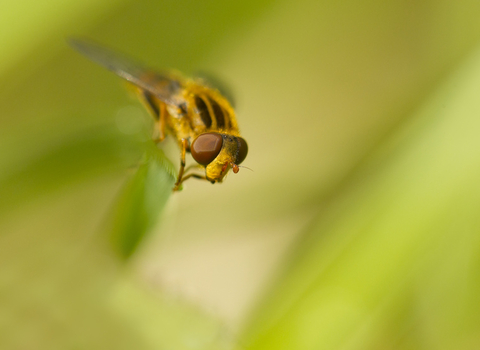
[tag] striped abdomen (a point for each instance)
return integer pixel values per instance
(209, 111)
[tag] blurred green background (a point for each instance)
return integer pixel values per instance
(357, 229)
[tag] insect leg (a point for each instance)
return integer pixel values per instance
(182, 164)
(193, 166)
(201, 177)
(197, 176)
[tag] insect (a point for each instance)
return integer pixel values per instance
(198, 116)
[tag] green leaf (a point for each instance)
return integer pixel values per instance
(141, 203)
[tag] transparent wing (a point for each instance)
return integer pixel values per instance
(162, 86)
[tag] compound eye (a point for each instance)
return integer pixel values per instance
(242, 150)
(206, 147)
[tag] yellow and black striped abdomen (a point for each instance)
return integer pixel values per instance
(209, 111)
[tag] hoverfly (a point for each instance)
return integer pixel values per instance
(198, 116)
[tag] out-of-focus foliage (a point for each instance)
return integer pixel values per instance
(142, 201)
(357, 229)
(393, 261)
